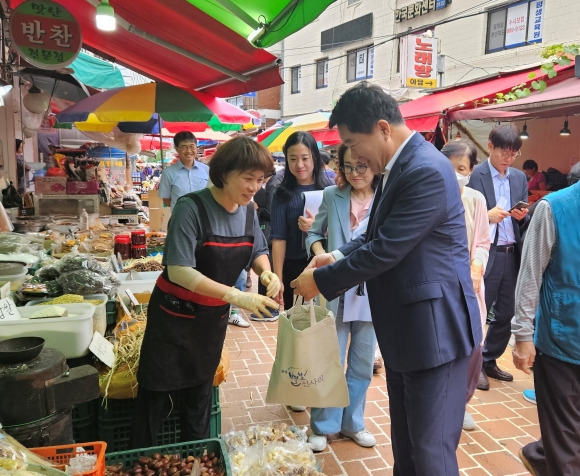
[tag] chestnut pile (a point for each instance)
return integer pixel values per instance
(171, 465)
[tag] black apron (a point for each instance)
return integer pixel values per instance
(185, 331)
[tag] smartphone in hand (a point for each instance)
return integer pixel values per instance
(519, 206)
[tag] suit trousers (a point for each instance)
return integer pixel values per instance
(427, 409)
(500, 289)
(557, 388)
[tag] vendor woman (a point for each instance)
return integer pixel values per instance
(213, 235)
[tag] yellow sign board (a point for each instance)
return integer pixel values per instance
(421, 83)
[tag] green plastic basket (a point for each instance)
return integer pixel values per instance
(115, 422)
(190, 448)
(84, 419)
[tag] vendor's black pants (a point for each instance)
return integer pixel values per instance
(151, 407)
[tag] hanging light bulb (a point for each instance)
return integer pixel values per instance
(565, 131)
(106, 20)
(36, 101)
(524, 135)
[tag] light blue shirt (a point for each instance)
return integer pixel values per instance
(501, 188)
(177, 180)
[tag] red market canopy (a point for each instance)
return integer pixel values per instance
(557, 100)
(175, 42)
(423, 113)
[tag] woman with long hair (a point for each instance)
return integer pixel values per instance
(303, 172)
(342, 216)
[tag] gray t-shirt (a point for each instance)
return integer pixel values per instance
(185, 231)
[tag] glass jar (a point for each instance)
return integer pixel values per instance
(123, 246)
(139, 251)
(138, 237)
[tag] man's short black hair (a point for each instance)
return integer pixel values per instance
(530, 165)
(362, 106)
(182, 137)
(506, 136)
(325, 156)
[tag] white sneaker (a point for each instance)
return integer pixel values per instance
(361, 437)
(468, 422)
(236, 318)
(297, 408)
(316, 442)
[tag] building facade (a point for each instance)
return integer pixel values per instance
(377, 40)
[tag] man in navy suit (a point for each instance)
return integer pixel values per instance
(415, 263)
(503, 187)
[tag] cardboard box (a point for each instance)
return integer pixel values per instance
(50, 185)
(82, 188)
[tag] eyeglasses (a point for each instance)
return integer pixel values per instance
(187, 147)
(360, 169)
(510, 154)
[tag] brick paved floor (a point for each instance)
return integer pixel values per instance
(505, 421)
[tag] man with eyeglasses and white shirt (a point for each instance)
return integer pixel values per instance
(502, 186)
(187, 175)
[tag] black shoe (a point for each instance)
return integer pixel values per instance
(495, 372)
(483, 383)
(527, 463)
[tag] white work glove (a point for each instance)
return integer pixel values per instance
(272, 283)
(256, 303)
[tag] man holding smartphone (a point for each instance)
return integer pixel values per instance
(503, 187)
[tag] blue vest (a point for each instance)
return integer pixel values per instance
(558, 316)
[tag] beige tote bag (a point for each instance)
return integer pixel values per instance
(307, 370)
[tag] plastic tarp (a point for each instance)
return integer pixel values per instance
(97, 73)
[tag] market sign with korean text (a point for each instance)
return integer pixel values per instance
(419, 8)
(45, 34)
(421, 70)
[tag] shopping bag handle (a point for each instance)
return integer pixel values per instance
(310, 309)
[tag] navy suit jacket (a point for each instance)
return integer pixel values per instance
(415, 264)
(482, 181)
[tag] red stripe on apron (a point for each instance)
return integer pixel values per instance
(187, 295)
(227, 245)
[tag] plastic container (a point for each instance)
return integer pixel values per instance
(71, 335)
(138, 237)
(62, 454)
(144, 276)
(190, 448)
(123, 246)
(13, 272)
(99, 317)
(138, 251)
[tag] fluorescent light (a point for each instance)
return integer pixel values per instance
(258, 32)
(106, 20)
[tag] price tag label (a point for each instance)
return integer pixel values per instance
(103, 349)
(132, 297)
(8, 310)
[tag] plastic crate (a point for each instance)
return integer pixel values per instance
(62, 454)
(115, 422)
(190, 448)
(84, 419)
